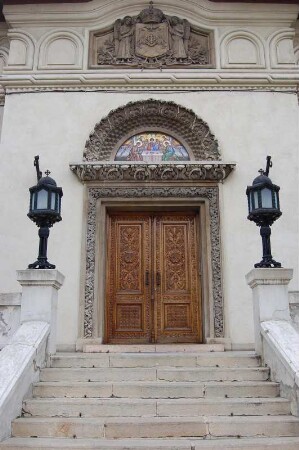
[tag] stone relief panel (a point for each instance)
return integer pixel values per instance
(241, 49)
(208, 193)
(151, 39)
(108, 134)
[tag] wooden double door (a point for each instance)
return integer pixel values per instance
(153, 279)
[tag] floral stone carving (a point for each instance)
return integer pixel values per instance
(156, 115)
(152, 172)
(151, 39)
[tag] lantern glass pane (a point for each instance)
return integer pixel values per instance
(256, 200)
(42, 199)
(250, 200)
(32, 200)
(267, 198)
(53, 197)
(275, 200)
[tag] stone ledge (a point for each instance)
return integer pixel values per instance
(10, 299)
(19, 361)
(40, 277)
(181, 171)
(265, 276)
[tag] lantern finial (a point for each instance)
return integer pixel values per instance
(36, 165)
(269, 164)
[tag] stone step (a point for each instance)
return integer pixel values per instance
(117, 407)
(153, 348)
(156, 389)
(156, 427)
(281, 443)
(177, 359)
(153, 374)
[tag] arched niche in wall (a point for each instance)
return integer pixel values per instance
(21, 51)
(61, 50)
(282, 53)
(242, 49)
(151, 116)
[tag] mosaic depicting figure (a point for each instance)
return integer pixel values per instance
(152, 147)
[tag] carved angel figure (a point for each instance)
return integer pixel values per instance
(180, 34)
(123, 38)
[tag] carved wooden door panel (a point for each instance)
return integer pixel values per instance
(177, 291)
(128, 282)
(153, 289)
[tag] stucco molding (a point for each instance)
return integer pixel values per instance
(152, 172)
(120, 81)
(16, 60)
(56, 35)
(247, 36)
(205, 193)
(274, 40)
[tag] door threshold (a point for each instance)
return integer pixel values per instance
(153, 348)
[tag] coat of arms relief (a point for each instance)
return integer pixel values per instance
(151, 39)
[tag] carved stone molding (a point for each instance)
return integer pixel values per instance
(152, 172)
(208, 193)
(124, 121)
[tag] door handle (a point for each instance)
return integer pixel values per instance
(147, 278)
(158, 279)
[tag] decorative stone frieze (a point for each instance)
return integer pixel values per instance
(137, 192)
(155, 115)
(152, 172)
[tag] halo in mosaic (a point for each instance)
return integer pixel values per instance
(152, 147)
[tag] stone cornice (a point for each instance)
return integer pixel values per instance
(185, 171)
(153, 81)
(97, 11)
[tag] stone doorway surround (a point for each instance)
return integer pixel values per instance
(137, 186)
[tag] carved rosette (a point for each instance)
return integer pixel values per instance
(152, 172)
(209, 193)
(156, 115)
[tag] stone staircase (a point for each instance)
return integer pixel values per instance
(161, 399)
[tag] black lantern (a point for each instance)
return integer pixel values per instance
(44, 210)
(264, 209)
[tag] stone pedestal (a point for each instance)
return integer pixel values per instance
(39, 298)
(270, 297)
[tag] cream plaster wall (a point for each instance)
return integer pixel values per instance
(248, 126)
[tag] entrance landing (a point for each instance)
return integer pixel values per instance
(161, 348)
